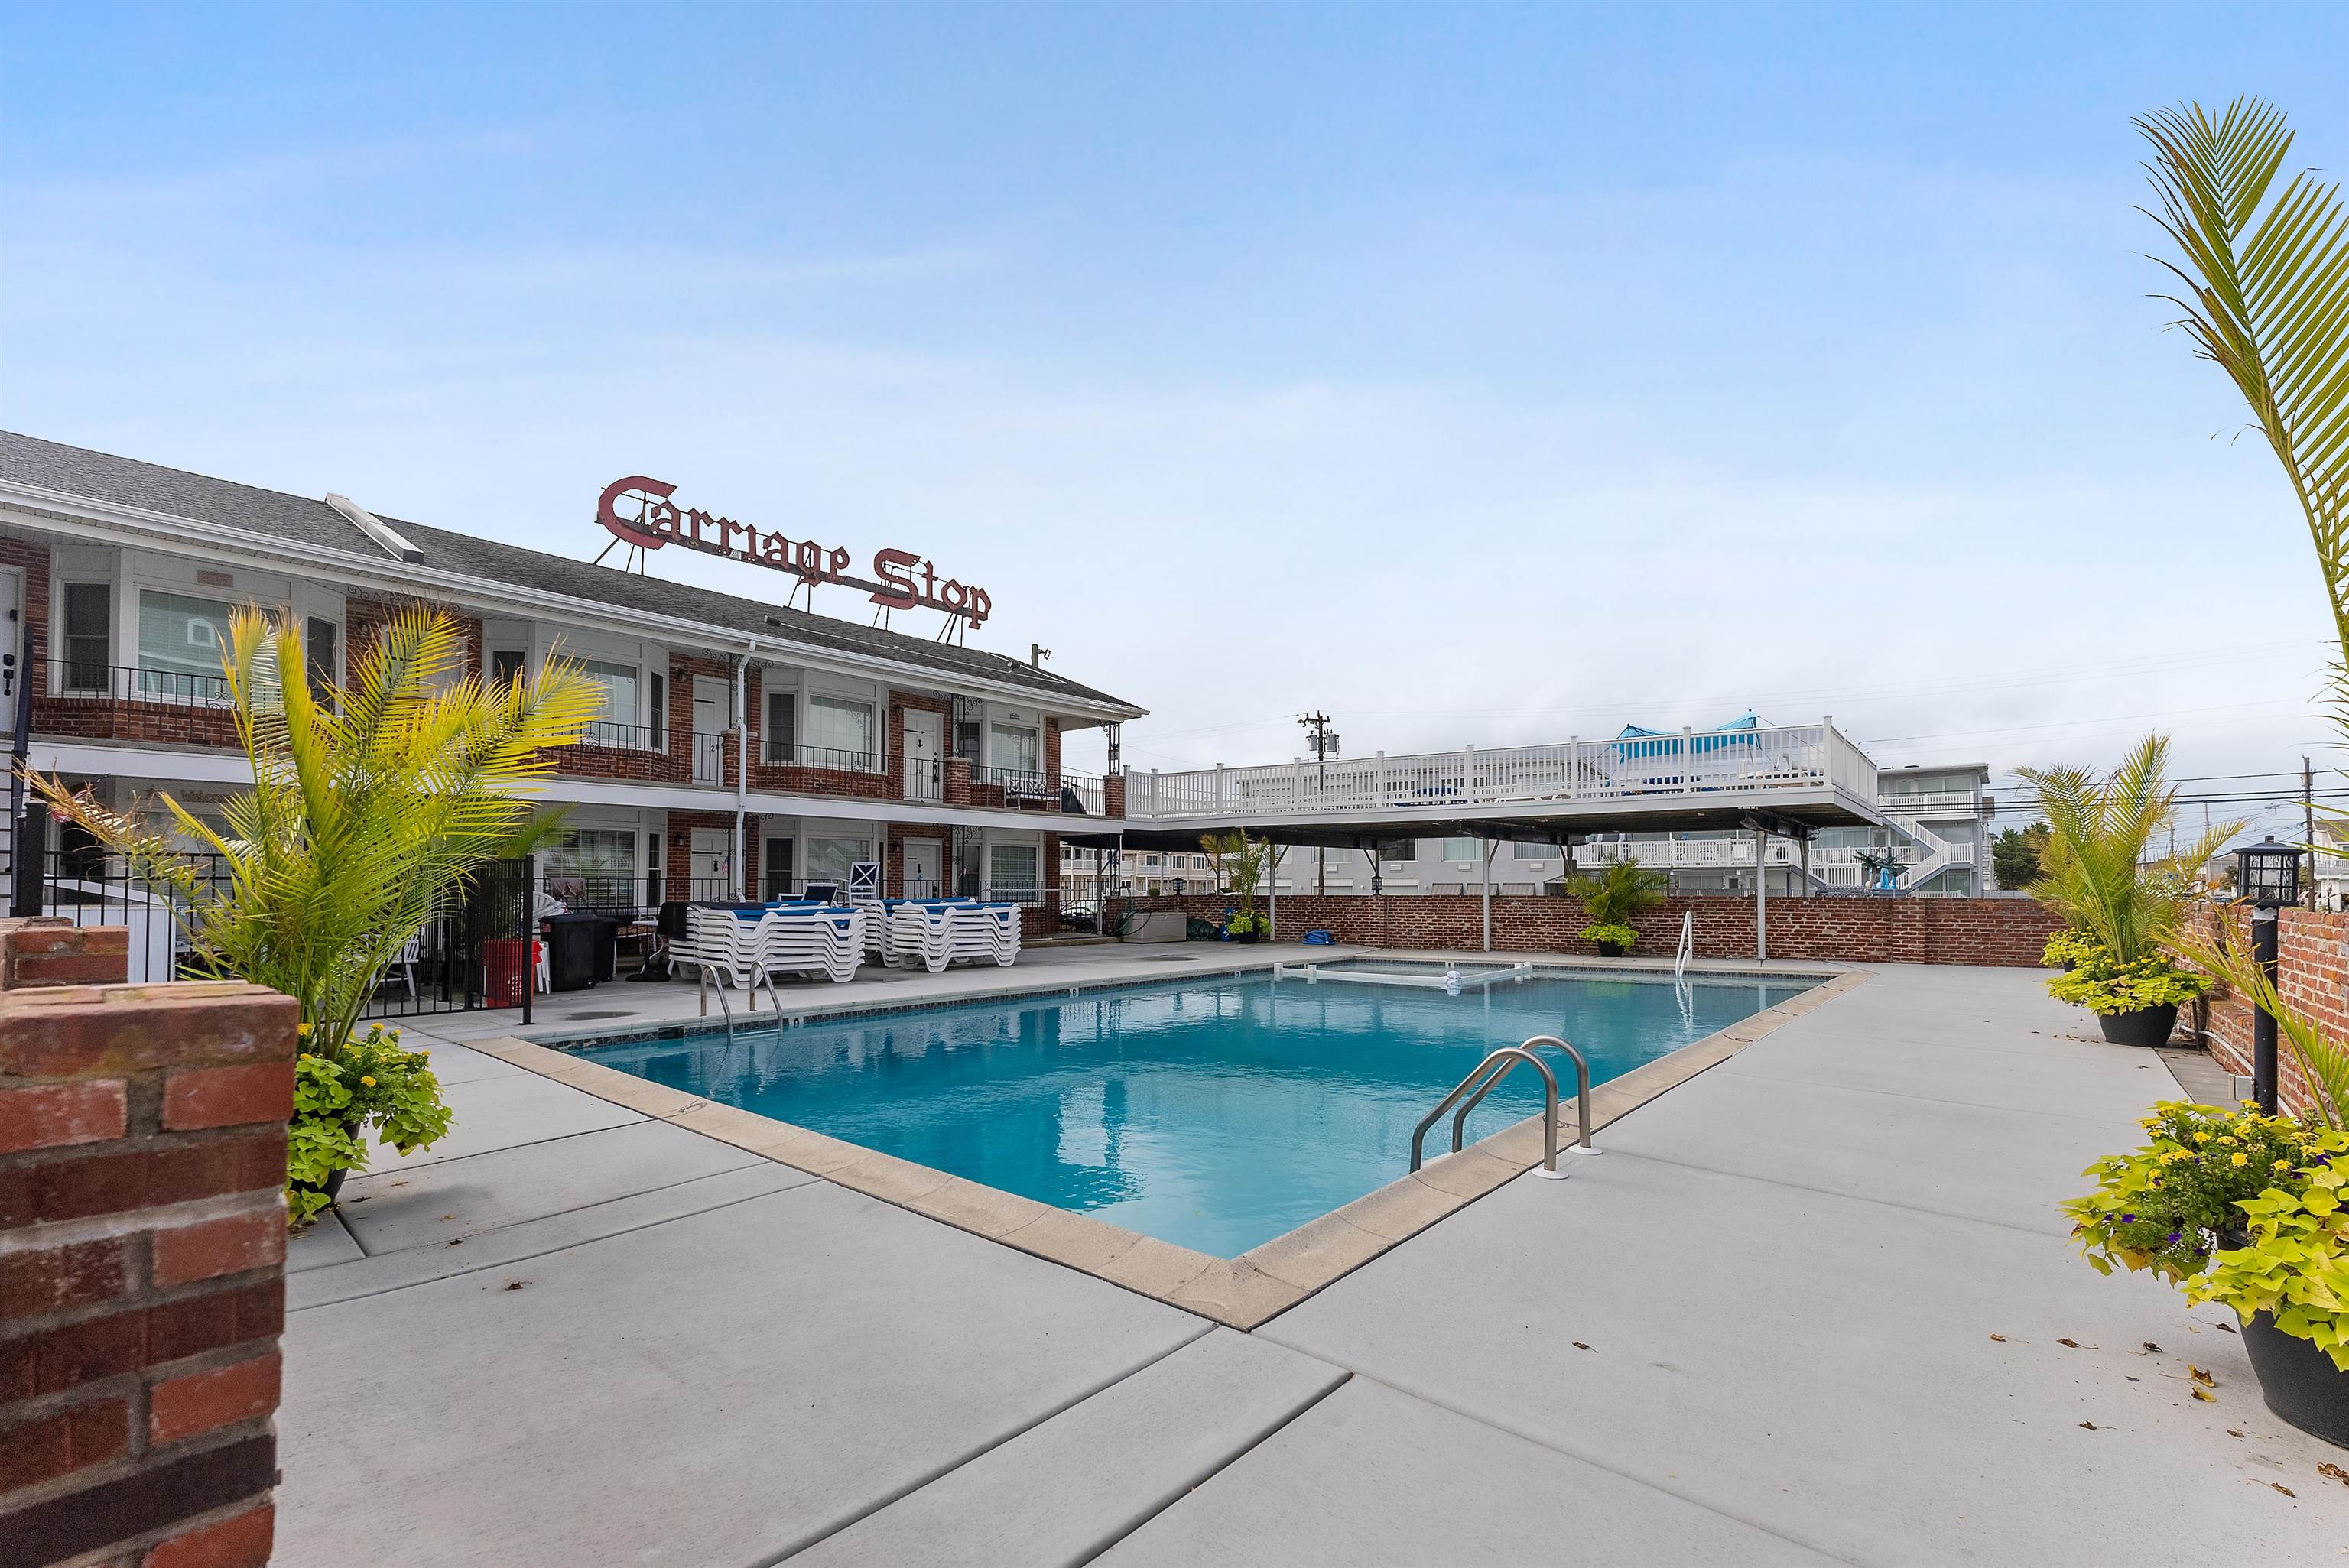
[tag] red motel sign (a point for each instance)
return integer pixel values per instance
(905, 579)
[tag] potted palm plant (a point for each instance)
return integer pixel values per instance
(371, 808)
(1240, 863)
(2120, 900)
(1613, 900)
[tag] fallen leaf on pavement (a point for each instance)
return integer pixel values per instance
(2199, 1392)
(2226, 1328)
(2152, 1348)
(2335, 1471)
(516, 1284)
(2280, 1487)
(2201, 1376)
(2234, 1431)
(2090, 1425)
(1579, 1346)
(1999, 1337)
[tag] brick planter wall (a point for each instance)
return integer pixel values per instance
(1991, 931)
(142, 1237)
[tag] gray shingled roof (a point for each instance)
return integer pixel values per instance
(98, 476)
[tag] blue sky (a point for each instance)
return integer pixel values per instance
(1472, 373)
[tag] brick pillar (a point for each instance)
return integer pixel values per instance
(142, 1241)
(1114, 796)
(956, 784)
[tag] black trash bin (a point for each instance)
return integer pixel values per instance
(581, 950)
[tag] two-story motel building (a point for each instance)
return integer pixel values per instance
(746, 748)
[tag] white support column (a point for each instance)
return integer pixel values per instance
(1379, 783)
(1219, 787)
(1688, 761)
(1806, 868)
(1761, 894)
(1272, 890)
(1469, 783)
(1488, 896)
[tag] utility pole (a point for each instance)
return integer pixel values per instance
(1324, 742)
(2308, 826)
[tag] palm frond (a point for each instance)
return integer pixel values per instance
(2266, 281)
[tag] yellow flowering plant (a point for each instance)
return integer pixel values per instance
(2171, 1204)
(371, 1084)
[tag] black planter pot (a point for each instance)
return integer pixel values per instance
(2145, 1027)
(331, 1186)
(2299, 1382)
(1245, 936)
(1612, 949)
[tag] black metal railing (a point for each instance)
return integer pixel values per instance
(453, 963)
(70, 677)
(610, 736)
(777, 755)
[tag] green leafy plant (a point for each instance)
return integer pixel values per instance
(1616, 895)
(2108, 985)
(2293, 1262)
(1614, 934)
(1245, 923)
(371, 1084)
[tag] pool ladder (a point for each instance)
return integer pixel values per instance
(1491, 1071)
(1687, 949)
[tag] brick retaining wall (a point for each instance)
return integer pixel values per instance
(1993, 931)
(142, 1239)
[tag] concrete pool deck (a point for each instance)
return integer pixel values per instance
(1761, 1329)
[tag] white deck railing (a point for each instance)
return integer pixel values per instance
(1706, 764)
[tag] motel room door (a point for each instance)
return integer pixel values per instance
(924, 859)
(713, 864)
(713, 702)
(925, 751)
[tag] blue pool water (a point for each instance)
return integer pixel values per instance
(1213, 1112)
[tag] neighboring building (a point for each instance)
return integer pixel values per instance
(941, 761)
(1938, 846)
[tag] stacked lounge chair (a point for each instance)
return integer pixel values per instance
(935, 931)
(746, 944)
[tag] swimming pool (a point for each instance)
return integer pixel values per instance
(1215, 1113)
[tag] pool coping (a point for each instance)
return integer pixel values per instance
(1242, 1293)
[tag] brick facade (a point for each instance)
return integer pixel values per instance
(142, 1148)
(1993, 930)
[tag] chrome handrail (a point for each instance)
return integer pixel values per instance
(1511, 1055)
(1687, 949)
(1581, 1095)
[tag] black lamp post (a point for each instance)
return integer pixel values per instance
(2268, 875)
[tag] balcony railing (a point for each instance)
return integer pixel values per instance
(1708, 763)
(81, 679)
(830, 758)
